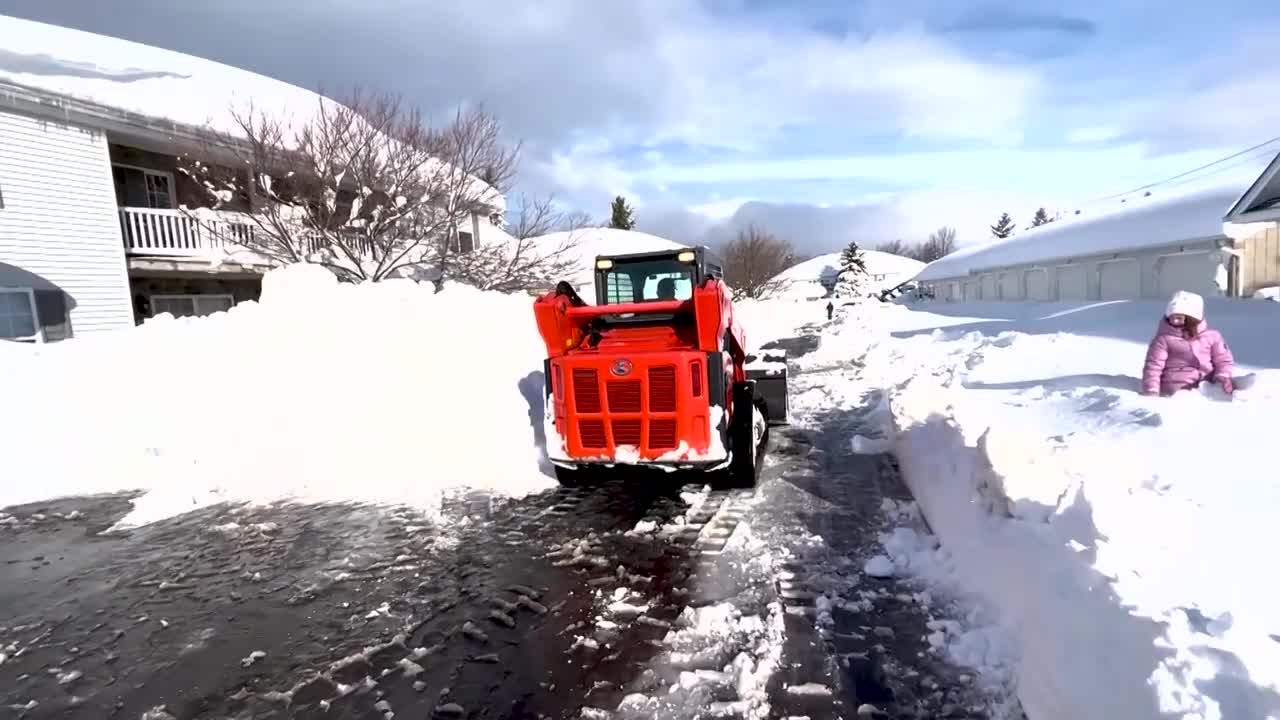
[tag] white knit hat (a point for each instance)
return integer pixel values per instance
(1185, 303)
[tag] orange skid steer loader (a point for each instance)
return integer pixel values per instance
(655, 372)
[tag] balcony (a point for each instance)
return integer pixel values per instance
(170, 233)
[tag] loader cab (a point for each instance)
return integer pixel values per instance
(653, 276)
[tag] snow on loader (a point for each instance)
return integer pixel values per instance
(655, 372)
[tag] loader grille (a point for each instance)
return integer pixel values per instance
(591, 433)
(624, 395)
(586, 391)
(662, 389)
(662, 434)
(626, 432)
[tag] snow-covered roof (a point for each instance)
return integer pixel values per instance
(1261, 202)
(1139, 223)
(827, 266)
(149, 81)
(139, 78)
(806, 279)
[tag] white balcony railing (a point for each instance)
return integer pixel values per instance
(151, 232)
(171, 233)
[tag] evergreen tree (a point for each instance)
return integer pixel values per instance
(851, 281)
(621, 217)
(1041, 218)
(1003, 227)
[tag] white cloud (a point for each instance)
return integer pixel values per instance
(1089, 135)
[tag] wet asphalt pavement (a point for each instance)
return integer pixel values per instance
(569, 603)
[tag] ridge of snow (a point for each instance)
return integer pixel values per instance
(319, 392)
(1115, 537)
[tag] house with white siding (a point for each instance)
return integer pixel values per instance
(1145, 247)
(91, 235)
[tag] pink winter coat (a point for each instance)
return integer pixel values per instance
(1177, 363)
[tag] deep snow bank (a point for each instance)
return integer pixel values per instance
(321, 391)
(1118, 535)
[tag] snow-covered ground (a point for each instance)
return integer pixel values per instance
(1120, 540)
(320, 392)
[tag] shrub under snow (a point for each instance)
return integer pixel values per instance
(321, 391)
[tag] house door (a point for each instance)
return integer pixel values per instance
(1119, 280)
(1073, 282)
(1194, 272)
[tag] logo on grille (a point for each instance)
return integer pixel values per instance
(620, 367)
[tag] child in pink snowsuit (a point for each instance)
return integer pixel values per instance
(1186, 351)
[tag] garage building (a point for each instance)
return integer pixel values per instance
(1147, 248)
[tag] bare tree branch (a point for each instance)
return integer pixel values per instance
(752, 261)
(941, 242)
(530, 260)
(896, 247)
(366, 187)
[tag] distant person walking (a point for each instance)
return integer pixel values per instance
(830, 309)
(1186, 351)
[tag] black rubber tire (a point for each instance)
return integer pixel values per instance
(573, 477)
(744, 468)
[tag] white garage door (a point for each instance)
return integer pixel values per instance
(1119, 279)
(1073, 282)
(1010, 286)
(989, 287)
(1186, 271)
(1037, 284)
(971, 291)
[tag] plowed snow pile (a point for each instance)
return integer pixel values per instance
(321, 391)
(1126, 541)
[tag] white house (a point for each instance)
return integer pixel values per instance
(1146, 247)
(91, 238)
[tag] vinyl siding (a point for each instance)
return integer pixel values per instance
(59, 221)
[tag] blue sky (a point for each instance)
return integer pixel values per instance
(827, 120)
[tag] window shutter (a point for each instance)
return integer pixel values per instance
(53, 315)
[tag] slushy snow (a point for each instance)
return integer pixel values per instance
(1120, 541)
(319, 392)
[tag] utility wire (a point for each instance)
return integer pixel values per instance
(1189, 172)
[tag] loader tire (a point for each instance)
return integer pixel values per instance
(748, 434)
(573, 477)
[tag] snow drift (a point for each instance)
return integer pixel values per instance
(1116, 535)
(321, 391)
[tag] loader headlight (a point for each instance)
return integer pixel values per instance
(604, 264)
(687, 256)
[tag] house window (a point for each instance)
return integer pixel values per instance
(190, 305)
(140, 187)
(462, 243)
(18, 315)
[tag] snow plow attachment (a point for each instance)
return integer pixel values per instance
(768, 369)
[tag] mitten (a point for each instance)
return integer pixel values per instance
(1228, 386)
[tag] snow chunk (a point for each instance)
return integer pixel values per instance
(879, 566)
